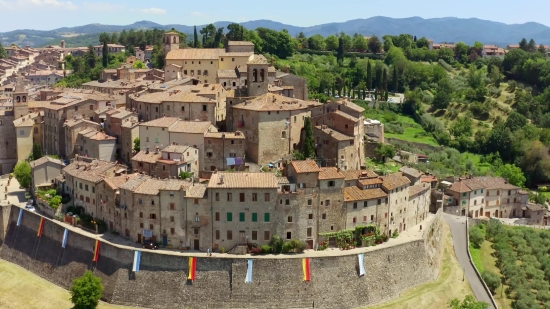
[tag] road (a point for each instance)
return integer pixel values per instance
(458, 231)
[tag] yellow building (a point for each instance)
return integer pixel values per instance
(28, 130)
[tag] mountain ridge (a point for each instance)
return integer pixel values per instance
(442, 29)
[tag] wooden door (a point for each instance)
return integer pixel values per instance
(139, 238)
(196, 244)
(309, 244)
(487, 214)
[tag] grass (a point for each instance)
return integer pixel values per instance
(438, 293)
(19, 288)
(381, 168)
(476, 158)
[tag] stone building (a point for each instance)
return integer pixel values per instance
(44, 171)
(111, 48)
(297, 83)
(224, 150)
(28, 130)
(72, 127)
(96, 144)
(168, 162)
(129, 131)
(115, 119)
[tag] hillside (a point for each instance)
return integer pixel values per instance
(447, 29)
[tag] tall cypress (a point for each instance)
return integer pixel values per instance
(369, 76)
(340, 54)
(105, 59)
(385, 82)
(395, 79)
(308, 146)
(195, 38)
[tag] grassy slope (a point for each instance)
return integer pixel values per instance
(438, 293)
(20, 288)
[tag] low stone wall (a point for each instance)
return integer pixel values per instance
(277, 283)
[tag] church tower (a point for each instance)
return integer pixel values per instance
(20, 99)
(257, 81)
(171, 41)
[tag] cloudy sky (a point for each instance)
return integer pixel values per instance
(51, 14)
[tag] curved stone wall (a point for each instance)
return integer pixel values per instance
(277, 283)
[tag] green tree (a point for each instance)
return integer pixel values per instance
(276, 43)
(308, 148)
(385, 83)
(3, 53)
(461, 127)
(369, 75)
(105, 58)
(461, 51)
(422, 42)
(195, 37)
(360, 43)
(235, 32)
(317, 42)
(495, 75)
(469, 302)
(523, 44)
(542, 49)
(185, 175)
(136, 144)
(515, 121)
(86, 291)
(374, 44)
(491, 279)
(208, 35)
(331, 42)
(340, 54)
(123, 38)
(138, 65)
(36, 151)
(385, 150)
(22, 172)
(476, 236)
(531, 46)
(395, 79)
(512, 173)
(90, 58)
(443, 94)
(388, 43)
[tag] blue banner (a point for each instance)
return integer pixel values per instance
(249, 272)
(65, 235)
(137, 259)
(20, 216)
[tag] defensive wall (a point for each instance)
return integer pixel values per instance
(220, 282)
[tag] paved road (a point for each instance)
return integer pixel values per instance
(458, 231)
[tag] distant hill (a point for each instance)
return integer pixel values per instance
(447, 29)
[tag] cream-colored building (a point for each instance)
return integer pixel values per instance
(44, 171)
(168, 162)
(72, 127)
(96, 144)
(28, 130)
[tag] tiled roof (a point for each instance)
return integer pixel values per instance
(238, 180)
(330, 173)
(226, 135)
(43, 160)
(474, 184)
(191, 127)
(394, 180)
(305, 166)
(459, 187)
(241, 43)
(428, 178)
(150, 187)
(356, 174)
(117, 181)
(352, 194)
(370, 181)
(176, 148)
(195, 191)
(495, 183)
(421, 187)
(227, 74)
(195, 54)
(257, 59)
(134, 182)
(334, 134)
(97, 135)
(93, 172)
(163, 122)
(352, 106)
(27, 120)
(410, 171)
(150, 157)
(275, 102)
(283, 180)
(346, 115)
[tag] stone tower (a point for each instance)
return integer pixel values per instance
(257, 80)
(171, 41)
(20, 98)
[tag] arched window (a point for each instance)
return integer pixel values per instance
(24, 99)
(254, 76)
(18, 99)
(205, 73)
(174, 40)
(283, 134)
(261, 75)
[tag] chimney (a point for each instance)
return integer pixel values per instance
(147, 150)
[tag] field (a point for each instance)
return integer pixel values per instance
(438, 293)
(20, 288)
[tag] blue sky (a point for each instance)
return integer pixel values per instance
(51, 14)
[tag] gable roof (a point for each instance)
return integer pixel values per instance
(237, 180)
(305, 166)
(394, 180)
(330, 173)
(43, 160)
(352, 194)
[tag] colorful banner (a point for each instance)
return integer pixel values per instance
(96, 251)
(137, 259)
(20, 217)
(65, 235)
(305, 268)
(40, 227)
(192, 268)
(249, 272)
(361, 258)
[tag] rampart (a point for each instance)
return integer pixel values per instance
(276, 283)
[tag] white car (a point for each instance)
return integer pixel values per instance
(30, 208)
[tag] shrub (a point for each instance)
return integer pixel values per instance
(395, 234)
(265, 249)
(86, 291)
(276, 243)
(476, 237)
(543, 189)
(491, 279)
(294, 245)
(445, 65)
(256, 251)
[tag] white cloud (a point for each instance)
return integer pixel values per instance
(101, 7)
(16, 5)
(197, 14)
(154, 11)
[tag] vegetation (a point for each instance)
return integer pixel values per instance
(3, 53)
(185, 175)
(22, 172)
(469, 302)
(136, 145)
(51, 197)
(36, 151)
(308, 147)
(278, 245)
(86, 291)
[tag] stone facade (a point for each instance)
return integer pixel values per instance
(168, 162)
(223, 145)
(72, 128)
(129, 131)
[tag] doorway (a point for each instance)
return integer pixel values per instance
(195, 244)
(164, 241)
(309, 243)
(139, 238)
(242, 237)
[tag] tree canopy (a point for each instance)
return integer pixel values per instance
(22, 172)
(86, 291)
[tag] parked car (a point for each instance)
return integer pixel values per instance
(149, 245)
(30, 208)
(27, 195)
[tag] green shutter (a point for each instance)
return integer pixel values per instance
(481, 190)
(254, 217)
(266, 217)
(241, 216)
(229, 217)
(463, 194)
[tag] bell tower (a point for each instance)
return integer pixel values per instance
(20, 98)
(257, 82)
(171, 41)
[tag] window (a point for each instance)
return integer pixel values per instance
(364, 218)
(372, 217)
(204, 107)
(217, 197)
(266, 235)
(309, 202)
(141, 215)
(241, 197)
(241, 216)
(294, 119)
(183, 108)
(172, 231)
(287, 202)
(354, 205)
(172, 206)
(80, 186)
(288, 235)
(229, 197)
(354, 219)
(266, 217)
(254, 217)
(171, 218)
(266, 197)
(196, 201)
(86, 187)
(222, 59)
(229, 235)
(289, 219)
(197, 218)
(327, 202)
(463, 194)
(150, 226)
(324, 216)
(475, 192)
(141, 225)
(385, 215)
(481, 190)
(378, 202)
(152, 216)
(254, 235)
(21, 132)
(254, 197)
(217, 216)
(331, 183)
(229, 217)
(217, 234)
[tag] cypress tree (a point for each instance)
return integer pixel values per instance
(395, 79)
(195, 38)
(369, 76)
(308, 147)
(3, 53)
(385, 83)
(105, 59)
(340, 53)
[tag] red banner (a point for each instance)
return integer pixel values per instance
(192, 268)
(305, 268)
(96, 251)
(40, 227)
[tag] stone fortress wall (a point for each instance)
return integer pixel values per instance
(276, 283)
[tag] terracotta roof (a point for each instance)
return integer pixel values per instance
(355, 174)
(200, 127)
(330, 173)
(394, 180)
(275, 102)
(97, 135)
(117, 181)
(195, 191)
(195, 54)
(459, 187)
(421, 187)
(346, 115)
(163, 122)
(305, 166)
(150, 187)
(27, 120)
(352, 194)
(150, 157)
(474, 184)
(227, 74)
(334, 134)
(226, 135)
(177, 148)
(134, 182)
(492, 183)
(428, 178)
(523, 192)
(45, 159)
(93, 172)
(241, 43)
(370, 181)
(283, 180)
(238, 180)
(257, 59)
(411, 171)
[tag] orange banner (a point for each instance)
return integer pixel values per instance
(40, 227)
(96, 251)
(305, 268)
(192, 268)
